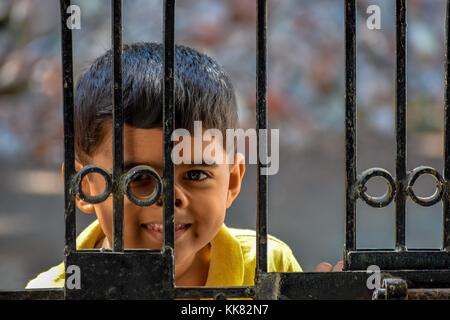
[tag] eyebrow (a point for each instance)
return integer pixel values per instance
(131, 164)
(213, 164)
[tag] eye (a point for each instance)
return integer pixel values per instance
(142, 185)
(196, 175)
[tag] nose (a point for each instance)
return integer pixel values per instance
(159, 203)
(180, 199)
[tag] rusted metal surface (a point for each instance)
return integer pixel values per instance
(33, 294)
(261, 123)
(399, 260)
(350, 124)
(140, 275)
(352, 285)
(425, 284)
(397, 289)
(69, 131)
(118, 120)
(400, 127)
(400, 186)
(446, 200)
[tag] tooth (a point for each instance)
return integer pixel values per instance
(158, 227)
(155, 227)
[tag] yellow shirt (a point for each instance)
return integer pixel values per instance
(233, 258)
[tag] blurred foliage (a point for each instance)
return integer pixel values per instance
(306, 69)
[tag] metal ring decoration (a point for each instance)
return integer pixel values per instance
(376, 202)
(220, 296)
(78, 190)
(156, 194)
(440, 186)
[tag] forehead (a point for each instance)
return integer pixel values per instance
(140, 146)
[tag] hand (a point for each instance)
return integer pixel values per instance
(327, 267)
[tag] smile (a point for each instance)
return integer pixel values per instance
(155, 230)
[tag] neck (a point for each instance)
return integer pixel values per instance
(195, 271)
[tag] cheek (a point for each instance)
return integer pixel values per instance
(104, 215)
(209, 207)
(104, 212)
(97, 184)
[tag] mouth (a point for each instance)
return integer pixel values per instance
(155, 230)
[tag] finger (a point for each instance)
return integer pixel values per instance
(323, 267)
(339, 266)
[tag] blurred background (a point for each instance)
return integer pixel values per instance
(306, 101)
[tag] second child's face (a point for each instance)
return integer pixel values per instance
(202, 195)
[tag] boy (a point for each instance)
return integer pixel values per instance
(207, 253)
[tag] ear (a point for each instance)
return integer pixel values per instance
(84, 206)
(237, 172)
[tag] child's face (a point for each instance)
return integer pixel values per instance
(202, 192)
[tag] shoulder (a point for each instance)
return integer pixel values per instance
(52, 278)
(280, 256)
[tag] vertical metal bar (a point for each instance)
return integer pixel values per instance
(400, 101)
(69, 145)
(446, 206)
(350, 124)
(168, 121)
(261, 124)
(118, 124)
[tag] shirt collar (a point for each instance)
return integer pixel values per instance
(89, 236)
(226, 266)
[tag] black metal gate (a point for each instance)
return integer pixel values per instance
(124, 274)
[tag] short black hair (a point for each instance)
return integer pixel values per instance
(203, 92)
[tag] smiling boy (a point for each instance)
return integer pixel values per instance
(207, 252)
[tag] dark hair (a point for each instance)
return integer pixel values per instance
(203, 92)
